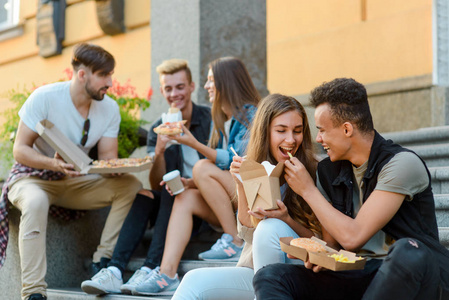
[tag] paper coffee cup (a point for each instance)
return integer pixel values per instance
(173, 180)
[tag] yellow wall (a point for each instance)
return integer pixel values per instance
(20, 64)
(309, 42)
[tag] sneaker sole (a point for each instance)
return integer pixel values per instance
(168, 293)
(220, 259)
(96, 290)
(127, 290)
(165, 293)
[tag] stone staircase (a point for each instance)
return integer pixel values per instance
(432, 144)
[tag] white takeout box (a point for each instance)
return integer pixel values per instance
(261, 189)
(75, 156)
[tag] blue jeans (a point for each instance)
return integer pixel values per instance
(410, 271)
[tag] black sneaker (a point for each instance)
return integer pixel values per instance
(95, 267)
(37, 297)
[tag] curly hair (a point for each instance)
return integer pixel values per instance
(258, 150)
(348, 102)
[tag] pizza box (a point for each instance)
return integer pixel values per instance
(323, 259)
(72, 154)
(261, 184)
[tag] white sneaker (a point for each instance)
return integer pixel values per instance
(104, 282)
(138, 277)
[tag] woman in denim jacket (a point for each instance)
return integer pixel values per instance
(209, 192)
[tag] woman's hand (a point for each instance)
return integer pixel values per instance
(281, 213)
(186, 139)
(235, 169)
(297, 176)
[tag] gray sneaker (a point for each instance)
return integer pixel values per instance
(223, 249)
(158, 284)
(104, 282)
(138, 277)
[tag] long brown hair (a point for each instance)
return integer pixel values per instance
(258, 149)
(234, 89)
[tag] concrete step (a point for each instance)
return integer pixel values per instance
(422, 136)
(185, 266)
(440, 180)
(434, 155)
(442, 209)
(78, 294)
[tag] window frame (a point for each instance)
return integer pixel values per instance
(12, 16)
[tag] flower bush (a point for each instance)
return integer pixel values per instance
(130, 136)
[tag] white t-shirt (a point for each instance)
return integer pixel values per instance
(53, 102)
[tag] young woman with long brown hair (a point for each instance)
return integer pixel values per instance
(280, 127)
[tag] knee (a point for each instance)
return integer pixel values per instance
(201, 169)
(409, 254)
(132, 183)
(35, 206)
(146, 193)
(268, 274)
(267, 232)
(183, 202)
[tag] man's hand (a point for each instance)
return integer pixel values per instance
(60, 165)
(297, 176)
(312, 267)
(187, 182)
(161, 143)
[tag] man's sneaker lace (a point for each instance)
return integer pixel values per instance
(157, 284)
(138, 277)
(223, 249)
(104, 282)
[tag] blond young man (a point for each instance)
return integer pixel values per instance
(176, 86)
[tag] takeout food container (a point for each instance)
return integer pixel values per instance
(323, 259)
(75, 156)
(261, 189)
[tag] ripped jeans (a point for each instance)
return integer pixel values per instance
(33, 197)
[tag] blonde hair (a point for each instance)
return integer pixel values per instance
(234, 89)
(258, 149)
(173, 66)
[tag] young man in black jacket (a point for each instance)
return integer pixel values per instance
(372, 197)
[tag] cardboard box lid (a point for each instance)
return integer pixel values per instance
(251, 169)
(70, 152)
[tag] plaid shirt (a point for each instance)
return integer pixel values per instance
(20, 171)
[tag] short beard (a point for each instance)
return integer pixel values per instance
(96, 95)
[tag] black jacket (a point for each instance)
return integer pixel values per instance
(414, 219)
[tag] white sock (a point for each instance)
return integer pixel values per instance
(116, 272)
(146, 269)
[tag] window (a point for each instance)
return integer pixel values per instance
(9, 14)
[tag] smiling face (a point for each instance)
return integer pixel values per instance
(97, 84)
(286, 135)
(332, 138)
(176, 89)
(210, 86)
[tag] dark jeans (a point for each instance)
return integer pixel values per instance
(410, 271)
(143, 210)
